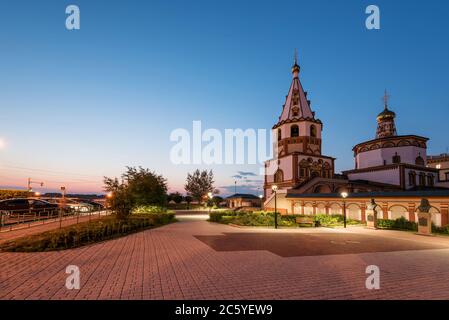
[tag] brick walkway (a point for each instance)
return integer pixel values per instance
(171, 263)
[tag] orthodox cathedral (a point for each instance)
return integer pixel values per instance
(392, 168)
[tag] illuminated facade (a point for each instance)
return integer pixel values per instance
(393, 167)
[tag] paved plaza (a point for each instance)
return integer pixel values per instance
(195, 259)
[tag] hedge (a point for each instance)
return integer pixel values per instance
(442, 230)
(264, 218)
(398, 224)
(404, 224)
(86, 233)
(149, 210)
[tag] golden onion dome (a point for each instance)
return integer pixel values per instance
(386, 115)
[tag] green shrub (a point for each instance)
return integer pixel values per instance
(329, 220)
(265, 218)
(334, 220)
(404, 224)
(217, 216)
(149, 210)
(442, 230)
(86, 233)
(398, 224)
(385, 224)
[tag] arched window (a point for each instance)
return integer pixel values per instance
(419, 161)
(313, 131)
(278, 176)
(279, 134)
(396, 158)
(412, 178)
(294, 131)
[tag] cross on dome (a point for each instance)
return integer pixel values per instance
(385, 120)
(385, 98)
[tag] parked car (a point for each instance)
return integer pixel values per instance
(26, 204)
(22, 210)
(71, 204)
(80, 205)
(95, 205)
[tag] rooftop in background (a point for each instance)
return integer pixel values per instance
(242, 196)
(443, 156)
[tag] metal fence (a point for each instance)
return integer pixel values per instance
(11, 220)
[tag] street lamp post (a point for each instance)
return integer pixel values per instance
(275, 188)
(62, 206)
(344, 195)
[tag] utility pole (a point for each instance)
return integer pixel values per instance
(30, 189)
(30, 182)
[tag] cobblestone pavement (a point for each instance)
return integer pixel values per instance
(172, 263)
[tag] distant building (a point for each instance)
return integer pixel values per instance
(441, 163)
(392, 168)
(241, 200)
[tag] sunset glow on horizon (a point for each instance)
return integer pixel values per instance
(80, 105)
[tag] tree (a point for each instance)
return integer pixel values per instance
(199, 184)
(137, 187)
(120, 200)
(217, 200)
(146, 187)
(188, 199)
(175, 196)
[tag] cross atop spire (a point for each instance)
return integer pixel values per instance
(385, 98)
(295, 68)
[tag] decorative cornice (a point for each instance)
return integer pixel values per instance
(301, 154)
(294, 120)
(391, 167)
(389, 142)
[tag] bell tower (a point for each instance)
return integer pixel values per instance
(297, 130)
(297, 142)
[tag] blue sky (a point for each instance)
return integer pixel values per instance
(77, 105)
